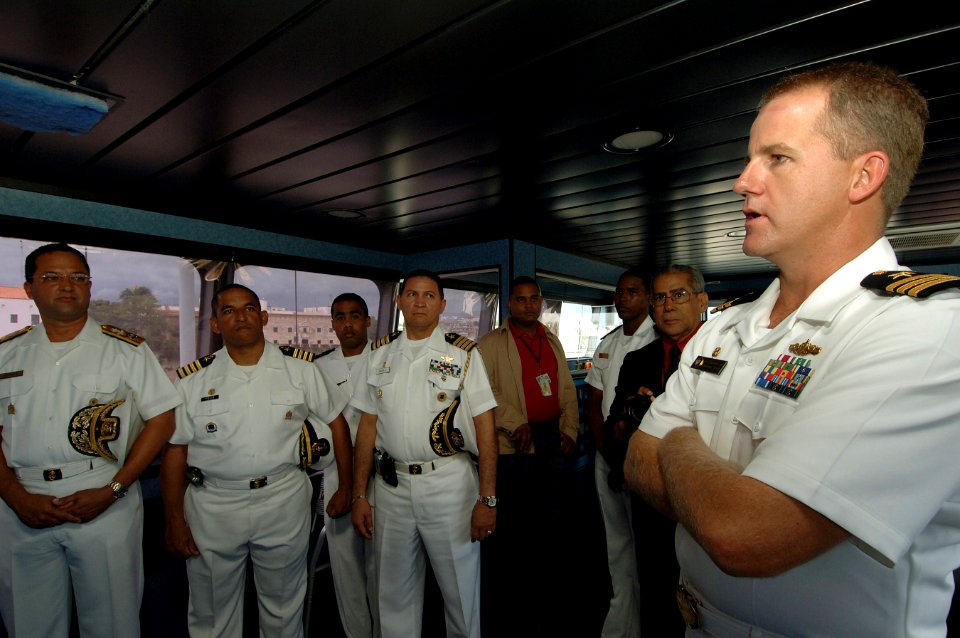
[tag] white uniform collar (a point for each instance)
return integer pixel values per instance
(337, 353)
(825, 302)
(435, 341)
(90, 332)
(271, 358)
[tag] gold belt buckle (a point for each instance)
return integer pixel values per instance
(688, 604)
(415, 469)
(53, 474)
(257, 483)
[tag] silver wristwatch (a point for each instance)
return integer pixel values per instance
(489, 501)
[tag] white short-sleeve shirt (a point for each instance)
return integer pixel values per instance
(243, 422)
(407, 383)
(851, 405)
(48, 389)
(605, 368)
(340, 371)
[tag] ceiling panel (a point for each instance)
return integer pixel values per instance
(452, 122)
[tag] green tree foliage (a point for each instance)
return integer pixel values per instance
(138, 312)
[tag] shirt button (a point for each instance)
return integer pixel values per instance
(734, 420)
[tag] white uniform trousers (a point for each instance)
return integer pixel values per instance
(272, 525)
(623, 617)
(102, 557)
(353, 567)
(428, 515)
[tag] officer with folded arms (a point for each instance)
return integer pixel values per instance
(84, 408)
(253, 416)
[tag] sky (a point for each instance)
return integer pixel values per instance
(113, 271)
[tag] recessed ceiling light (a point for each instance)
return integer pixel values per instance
(344, 213)
(638, 140)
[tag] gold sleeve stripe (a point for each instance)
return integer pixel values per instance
(460, 341)
(298, 353)
(195, 366)
(905, 282)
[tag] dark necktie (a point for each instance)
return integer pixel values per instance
(674, 354)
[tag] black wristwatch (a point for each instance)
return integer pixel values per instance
(489, 501)
(119, 491)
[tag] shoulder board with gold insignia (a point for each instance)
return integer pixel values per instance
(121, 334)
(747, 298)
(185, 371)
(907, 282)
(384, 340)
(325, 353)
(611, 332)
(461, 342)
(14, 335)
(298, 353)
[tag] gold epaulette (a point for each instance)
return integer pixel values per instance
(298, 353)
(121, 334)
(907, 282)
(195, 366)
(384, 340)
(460, 341)
(14, 335)
(747, 298)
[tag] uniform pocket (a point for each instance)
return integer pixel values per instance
(97, 386)
(288, 405)
(764, 412)
(444, 391)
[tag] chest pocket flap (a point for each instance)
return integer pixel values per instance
(763, 412)
(97, 384)
(210, 406)
(14, 386)
(709, 394)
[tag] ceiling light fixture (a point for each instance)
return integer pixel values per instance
(42, 104)
(740, 232)
(344, 213)
(637, 140)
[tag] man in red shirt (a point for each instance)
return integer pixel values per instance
(537, 425)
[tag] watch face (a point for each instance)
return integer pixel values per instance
(489, 501)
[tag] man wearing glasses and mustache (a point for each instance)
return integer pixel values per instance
(84, 408)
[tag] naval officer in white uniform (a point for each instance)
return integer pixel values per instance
(84, 408)
(246, 428)
(808, 442)
(352, 561)
(430, 503)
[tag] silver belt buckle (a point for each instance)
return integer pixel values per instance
(688, 604)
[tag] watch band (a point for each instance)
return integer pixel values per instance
(119, 490)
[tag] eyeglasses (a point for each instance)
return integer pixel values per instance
(57, 277)
(679, 297)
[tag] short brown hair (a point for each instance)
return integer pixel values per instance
(869, 108)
